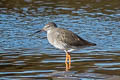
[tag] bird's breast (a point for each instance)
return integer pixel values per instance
(52, 38)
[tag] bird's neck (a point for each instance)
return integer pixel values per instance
(49, 31)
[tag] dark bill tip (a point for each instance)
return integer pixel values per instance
(37, 32)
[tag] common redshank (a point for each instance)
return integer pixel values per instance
(64, 39)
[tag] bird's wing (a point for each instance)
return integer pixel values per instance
(70, 38)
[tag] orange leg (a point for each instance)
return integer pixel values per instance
(68, 57)
(69, 61)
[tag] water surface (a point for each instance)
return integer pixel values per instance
(31, 57)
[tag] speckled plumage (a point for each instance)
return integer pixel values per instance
(64, 39)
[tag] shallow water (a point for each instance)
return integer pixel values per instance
(24, 57)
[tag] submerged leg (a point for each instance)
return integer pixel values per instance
(67, 66)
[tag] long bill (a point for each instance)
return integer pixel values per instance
(37, 32)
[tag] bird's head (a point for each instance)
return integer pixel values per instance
(47, 27)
